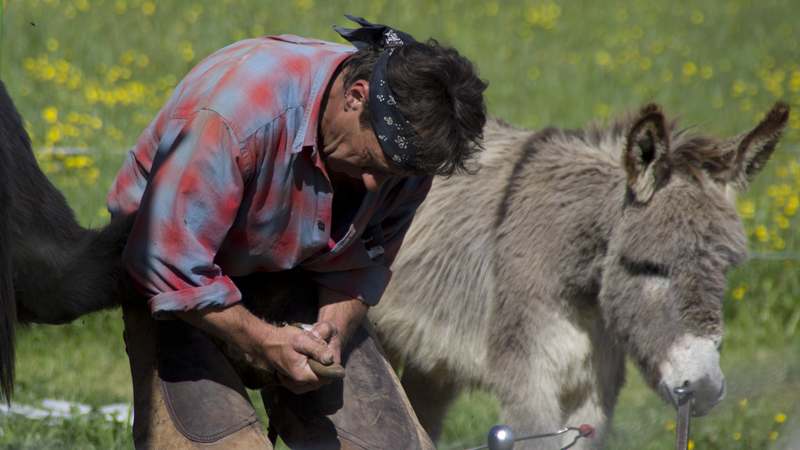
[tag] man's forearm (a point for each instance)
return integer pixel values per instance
(234, 324)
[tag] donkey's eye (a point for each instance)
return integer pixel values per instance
(644, 267)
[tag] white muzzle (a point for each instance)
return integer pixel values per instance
(694, 362)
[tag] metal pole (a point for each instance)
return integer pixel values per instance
(684, 395)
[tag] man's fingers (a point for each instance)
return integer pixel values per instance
(313, 347)
(301, 387)
(324, 330)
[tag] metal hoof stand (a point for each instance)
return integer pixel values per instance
(502, 438)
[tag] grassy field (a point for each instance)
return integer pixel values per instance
(92, 73)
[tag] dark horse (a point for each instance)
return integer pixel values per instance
(52, 270)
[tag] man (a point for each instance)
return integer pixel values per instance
(297, 156)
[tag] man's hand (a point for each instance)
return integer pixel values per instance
(288, 349)
(285, 349)
(339, 317)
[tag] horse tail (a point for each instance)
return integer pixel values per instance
(8, 308)
(52, 270)
(10, 130)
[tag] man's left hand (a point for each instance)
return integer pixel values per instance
(339, 317)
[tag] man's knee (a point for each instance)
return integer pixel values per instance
(186, 394)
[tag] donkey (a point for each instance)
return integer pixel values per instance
(567, 251)
(52, 270)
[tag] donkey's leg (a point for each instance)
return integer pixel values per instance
(531, 408)
(431, 394)
(607, 375)
(591, 413)
(547, 366)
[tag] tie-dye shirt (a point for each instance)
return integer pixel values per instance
(240, 186)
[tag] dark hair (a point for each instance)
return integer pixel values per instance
(439, 92)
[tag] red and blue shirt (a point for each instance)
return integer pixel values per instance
(244, 188)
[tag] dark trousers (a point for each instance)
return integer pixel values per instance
(188, 394)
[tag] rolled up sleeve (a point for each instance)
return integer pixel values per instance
(187, 209)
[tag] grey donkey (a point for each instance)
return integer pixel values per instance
(567, 251)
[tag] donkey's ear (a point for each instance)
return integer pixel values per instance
(754, 148)
(645, 154)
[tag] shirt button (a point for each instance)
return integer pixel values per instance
(321, 225)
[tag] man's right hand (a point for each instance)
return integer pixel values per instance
(285, 349)
(288, 349)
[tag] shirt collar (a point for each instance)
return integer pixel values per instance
(310, 124)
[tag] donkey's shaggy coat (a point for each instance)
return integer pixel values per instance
(565, 252)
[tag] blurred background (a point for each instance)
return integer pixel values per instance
(88, 75)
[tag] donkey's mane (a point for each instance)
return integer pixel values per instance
(690, 152)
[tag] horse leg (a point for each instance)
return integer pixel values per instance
(431, 394)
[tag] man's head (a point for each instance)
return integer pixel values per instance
(437, 91)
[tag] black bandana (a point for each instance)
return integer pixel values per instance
(394, 132)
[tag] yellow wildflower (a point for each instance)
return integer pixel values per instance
(794, 82)
(601, 110)
(773, 435)
(50, 114)
(781, 221)
(689, 69)
(70, 130)
(52, 45)
(761, 233)
(690, 445)
(743, 404)
(791, 205)
(304, 5)
(747, 209)
(602, 58)
(48, 72)
(739, 87)
(780, 417)
(148, 8)
(77, 161)
(103, 213)
(187, 52)
(737, 436)
(128, 57)
(738, 294)
(92, 175)
(53, 135)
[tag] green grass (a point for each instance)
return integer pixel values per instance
(91, 73)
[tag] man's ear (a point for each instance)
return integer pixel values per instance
(645, 154)
(356, 95)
